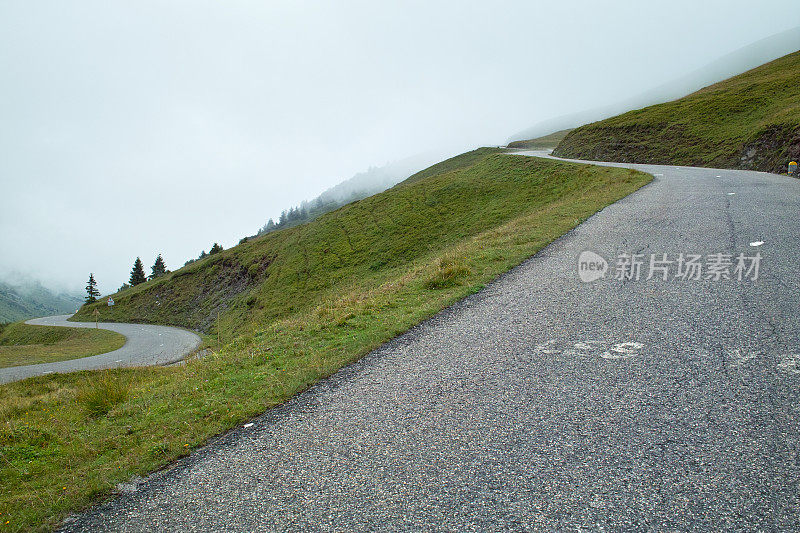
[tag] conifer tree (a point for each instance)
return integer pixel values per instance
(91, 290)
(137, 274)
(158, 268)
(215, 249)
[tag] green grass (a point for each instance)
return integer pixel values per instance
(285, 272)
(310, 300)
(547, 142)
(750, 121)
(101, 393)
(22, 344)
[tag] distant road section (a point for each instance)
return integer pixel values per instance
(146, 346)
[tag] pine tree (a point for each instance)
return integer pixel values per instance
(137, 274)
(91, 290)
(158, 268)
(215, 249)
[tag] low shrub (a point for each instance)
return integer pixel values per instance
(101, 394)
(450, 271)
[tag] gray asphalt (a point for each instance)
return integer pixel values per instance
(145, 346)
(542, 402)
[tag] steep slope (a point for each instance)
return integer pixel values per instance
(361, 244)
(364, 184)
(750, 121)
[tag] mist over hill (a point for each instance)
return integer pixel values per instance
(750, 121)
(372, 181)
(22, 298)
(375, 179)
(744, 59)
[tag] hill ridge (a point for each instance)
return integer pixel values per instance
(750, 121)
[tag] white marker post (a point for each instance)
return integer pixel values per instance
(96, 319)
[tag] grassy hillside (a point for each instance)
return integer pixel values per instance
(290, 271)
(22, 344)
(30, 299)
(362, 185)
(546, 142)
(295, 306)
(751, 121)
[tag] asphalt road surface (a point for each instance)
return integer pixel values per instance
(544, 402)
(145, 345)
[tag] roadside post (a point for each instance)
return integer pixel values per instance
(793, 168)
(96, 319)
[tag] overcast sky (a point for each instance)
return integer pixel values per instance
(133, 128)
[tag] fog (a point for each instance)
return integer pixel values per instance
(136, 128)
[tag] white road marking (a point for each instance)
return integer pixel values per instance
(591, 349)
(582, 349)
(739, 359)
(790, 363)
(623, 350)
(719, 176)
(118, 361)
(731, 193)
(543, 348)
(248, 425)
(756, 243)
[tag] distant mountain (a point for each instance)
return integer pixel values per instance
(741, 60)
(28, 299)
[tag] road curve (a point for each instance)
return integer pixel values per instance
(145, 345)
(543, 402)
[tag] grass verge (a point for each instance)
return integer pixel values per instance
(59, 453)
(23, 344)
